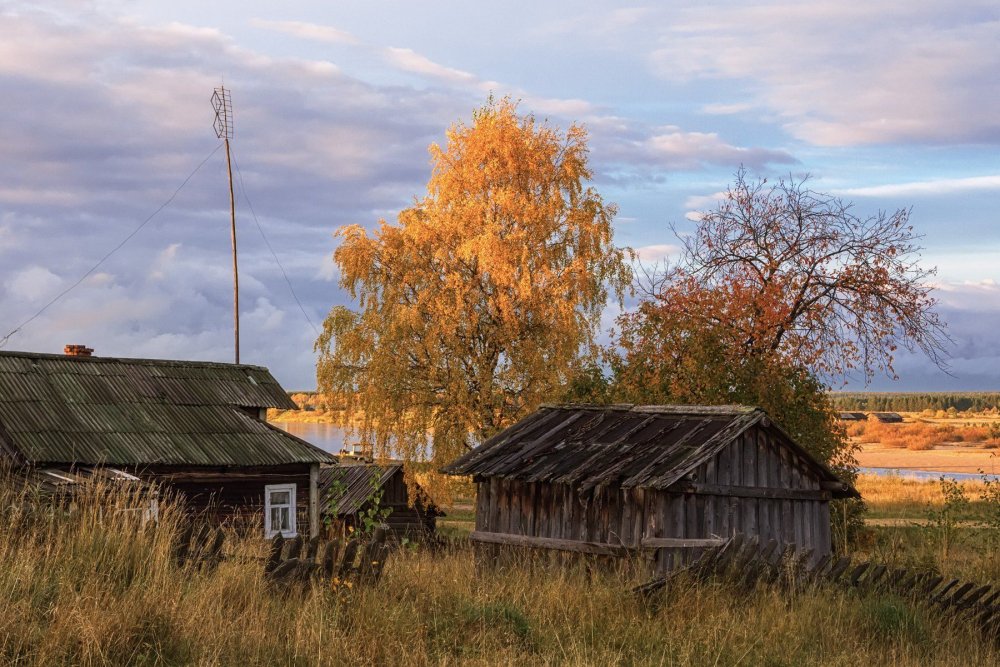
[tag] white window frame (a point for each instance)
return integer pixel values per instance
(270, 532)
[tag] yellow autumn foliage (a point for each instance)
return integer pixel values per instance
(481, 300)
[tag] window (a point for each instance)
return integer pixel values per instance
(279, 510)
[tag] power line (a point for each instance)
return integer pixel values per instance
(3, 341)
(243, 190)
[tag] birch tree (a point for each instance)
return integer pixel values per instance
(481, 299)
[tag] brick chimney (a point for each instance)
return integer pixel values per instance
(78, 351)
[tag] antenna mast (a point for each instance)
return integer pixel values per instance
(223, 125)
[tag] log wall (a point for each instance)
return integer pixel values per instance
(235, 495)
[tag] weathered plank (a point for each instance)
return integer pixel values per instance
(753, 491)
(507, 539)
(679, 542)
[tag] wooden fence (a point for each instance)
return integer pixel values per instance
(294, 560)
(745, 562)
(298, 561)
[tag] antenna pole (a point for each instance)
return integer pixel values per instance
(223, 125)
(236, 271)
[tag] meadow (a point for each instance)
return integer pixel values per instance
(95, 587)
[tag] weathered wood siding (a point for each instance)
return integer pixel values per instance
(609, 515)
(732, 498)
(754, 486)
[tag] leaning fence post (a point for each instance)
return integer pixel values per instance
(274, 555)
(330, 551)
(350, 551)
(294, 547)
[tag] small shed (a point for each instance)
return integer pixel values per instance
(610, 480)
(887, 417)
(195, 427)
(852, 416)
(349, 490)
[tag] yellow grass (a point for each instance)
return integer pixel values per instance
(924, 434)
(888, 492)
(93, 587)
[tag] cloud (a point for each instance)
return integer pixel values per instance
(311, 31)
(409, 60)
(727, 109)
(692, 149)
(669, 148)
(941, 186)
(33, 283)
(838, 74)
(657, 253)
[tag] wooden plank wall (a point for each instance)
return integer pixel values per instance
(608, 515)
(755, 461)
(753, 467)
(236, 495)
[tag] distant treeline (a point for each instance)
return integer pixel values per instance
(878, 401)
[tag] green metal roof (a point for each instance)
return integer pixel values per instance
(135, 412)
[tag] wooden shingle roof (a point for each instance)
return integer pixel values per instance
(56, 409)
(350, 486)
(651, 446)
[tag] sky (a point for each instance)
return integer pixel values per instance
(889, 104)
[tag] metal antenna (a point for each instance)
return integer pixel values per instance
(223, 125)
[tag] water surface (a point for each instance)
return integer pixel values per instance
(328, 437)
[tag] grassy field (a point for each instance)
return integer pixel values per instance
(94, 587)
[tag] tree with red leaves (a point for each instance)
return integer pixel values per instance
(781, 291)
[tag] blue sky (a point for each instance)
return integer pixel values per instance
(889, 104)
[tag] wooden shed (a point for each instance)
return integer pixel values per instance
(887, 417)
(198, 428)
(852, 416)
(610, 480)
(349, 490)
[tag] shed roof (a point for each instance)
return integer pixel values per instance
(354, 484)
(135, 412)
(648, 446)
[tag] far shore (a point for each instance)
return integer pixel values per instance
(943, 458)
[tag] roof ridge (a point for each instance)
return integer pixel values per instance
(130, 360)
(665, 408)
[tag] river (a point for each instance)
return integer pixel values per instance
(328, 437)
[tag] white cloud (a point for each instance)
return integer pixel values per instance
(310, 31)
(657, 252)
(727, 109)
(701, 202)
(409, 60)
(941, 186)
(838, 73)
(33, 283)
(677, 149)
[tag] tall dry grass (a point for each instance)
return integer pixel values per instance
(93, 587)
(920, 435)
(899, 496)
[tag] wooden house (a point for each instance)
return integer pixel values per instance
(195, 427)
(610, 480)
(348, 491)
(887, 417)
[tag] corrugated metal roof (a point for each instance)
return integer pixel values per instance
(134, 412)
(650, 446)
